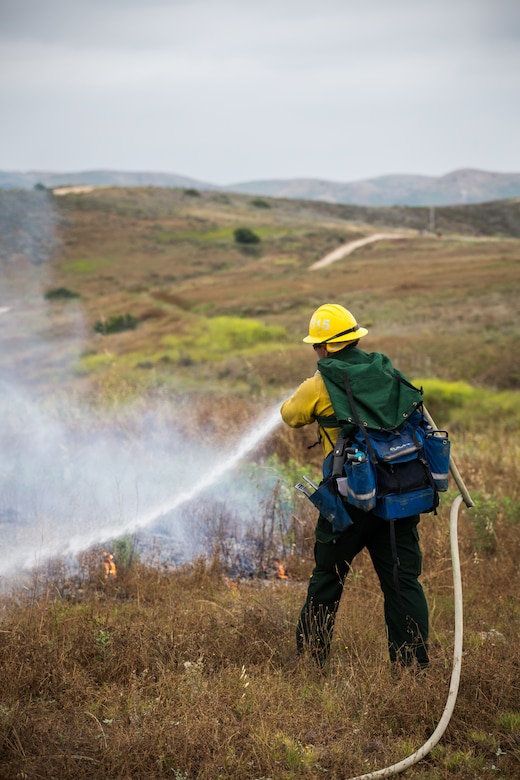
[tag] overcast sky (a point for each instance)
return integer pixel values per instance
(231, 90)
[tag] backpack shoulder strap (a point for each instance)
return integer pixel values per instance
(404, 381)
(327, 421)
(358, 419)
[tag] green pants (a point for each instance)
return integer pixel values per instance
(405, 607)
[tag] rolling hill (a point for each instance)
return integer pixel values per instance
(458, 187)
(167, 261)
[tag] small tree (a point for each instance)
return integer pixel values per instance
(117, 323)
(246, 236)
(60, 294)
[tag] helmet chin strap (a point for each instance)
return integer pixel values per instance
(338, 335)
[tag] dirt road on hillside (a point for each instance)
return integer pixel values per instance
(347, 249)
(76, 190)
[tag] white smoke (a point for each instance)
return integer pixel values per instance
(64, 489)
(70, 477)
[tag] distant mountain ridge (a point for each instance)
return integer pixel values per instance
(462, 186)
(455, 188)
(11, 180)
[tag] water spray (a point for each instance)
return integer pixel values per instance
(76, 544)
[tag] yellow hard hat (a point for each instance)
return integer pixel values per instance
(333, 323)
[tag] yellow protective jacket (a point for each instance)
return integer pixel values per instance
(307, 405)
(310, 402)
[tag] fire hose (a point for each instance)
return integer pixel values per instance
(406, 763)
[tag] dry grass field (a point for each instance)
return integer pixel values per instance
(188, 672)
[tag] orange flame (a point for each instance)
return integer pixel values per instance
(280, 572)
(231, 583)
(109, 565)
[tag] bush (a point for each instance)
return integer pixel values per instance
(246, 236)
(192, 193)
(116, 324)
(125, 553)
(260, 203)
(60, 294)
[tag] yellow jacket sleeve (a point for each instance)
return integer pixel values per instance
(309, 401)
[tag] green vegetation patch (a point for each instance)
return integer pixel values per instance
(210, 234)
(459, 402)
(260, 203)
(220, 336)
(117, 323)
(60, 294)
(86, 265)
(488, 513)
(510, 720)
(206, 340)
(93, 362)
(166, 236)
(286, 261)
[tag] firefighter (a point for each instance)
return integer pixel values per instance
(335, 334)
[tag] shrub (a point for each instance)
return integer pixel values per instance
(60, 294)
(192, 193)
(125, 552)
(246, 236)
(116, 324)
(260, 203)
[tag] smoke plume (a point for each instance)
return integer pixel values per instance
(70, 477)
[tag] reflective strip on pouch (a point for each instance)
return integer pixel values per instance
(362, 496)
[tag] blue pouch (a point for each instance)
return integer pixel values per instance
(361, 483)
(395, 505)
(329, 503)
(437, 452)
